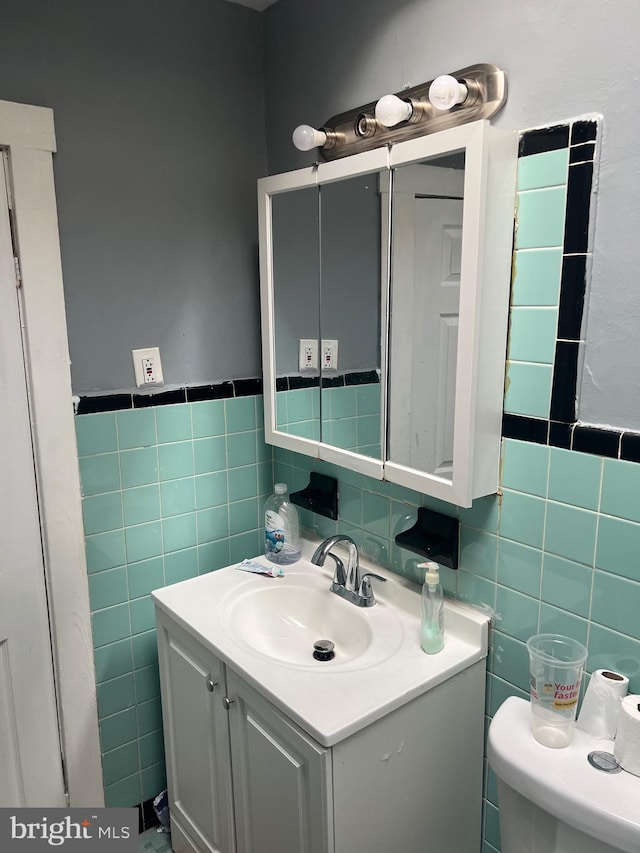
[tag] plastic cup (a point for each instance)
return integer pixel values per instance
(555, 665)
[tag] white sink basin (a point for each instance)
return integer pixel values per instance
(264, 629)
(282, 618)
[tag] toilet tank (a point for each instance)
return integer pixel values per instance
(553, 800)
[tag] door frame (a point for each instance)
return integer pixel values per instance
(28, 134)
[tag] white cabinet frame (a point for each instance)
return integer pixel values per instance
(488, 216)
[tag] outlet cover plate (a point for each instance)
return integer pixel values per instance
(139, 357)
(307, 354)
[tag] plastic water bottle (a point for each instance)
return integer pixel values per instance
(432, 629)
(281, 528)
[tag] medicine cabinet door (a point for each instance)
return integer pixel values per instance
(320, 269)
(452, 216)
(353, 279)
(290, 292)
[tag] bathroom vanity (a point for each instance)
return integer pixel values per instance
(270, 750)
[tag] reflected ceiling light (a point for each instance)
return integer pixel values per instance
(445, 92)
(391, 110)
(306, 137)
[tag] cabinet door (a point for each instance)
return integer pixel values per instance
(196, 743)
(281, 779)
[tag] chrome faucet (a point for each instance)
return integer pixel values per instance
(347, 583)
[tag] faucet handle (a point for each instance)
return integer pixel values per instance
(339, 575)
(365, 585)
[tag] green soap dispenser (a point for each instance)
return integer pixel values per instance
(432, 628)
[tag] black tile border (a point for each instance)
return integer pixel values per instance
(561, 429)
(601, 442)
(630, 446)
(576, 226)
(565, 382)
(582, 153)
(201, 393)
(534, 430)
(543, 139)
(560, 435)
(297, 383)
(363, 377)
(165, 398)
(584, 130)
(91, 405)
(355, 377)
(573, 289)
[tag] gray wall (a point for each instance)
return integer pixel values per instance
(562, 59)
(159, 120)
(326, 265)
(160, 129)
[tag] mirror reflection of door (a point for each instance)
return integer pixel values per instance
(296, 285)
(350, 308)
(425, 296)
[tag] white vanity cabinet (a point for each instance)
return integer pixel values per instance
(243, 777)
(197, 751)
(281, 778)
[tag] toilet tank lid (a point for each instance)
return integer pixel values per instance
(562, 782)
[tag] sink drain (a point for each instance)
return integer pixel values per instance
(324, 650)
(605, 761)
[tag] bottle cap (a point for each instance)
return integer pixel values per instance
(280, 488)
(432, 573)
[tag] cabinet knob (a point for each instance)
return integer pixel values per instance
(227, 703)
(211, 684)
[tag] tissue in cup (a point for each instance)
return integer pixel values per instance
(555, 666)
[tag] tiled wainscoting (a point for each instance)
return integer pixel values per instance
(169, 492)
(350, 416)
(177, 490)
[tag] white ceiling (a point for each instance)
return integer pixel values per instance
(260, 5)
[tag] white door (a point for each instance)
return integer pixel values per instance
(30, 757)
(437, 279)
(425, 300)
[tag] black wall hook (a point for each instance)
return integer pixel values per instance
(320, 496)
(434, 536)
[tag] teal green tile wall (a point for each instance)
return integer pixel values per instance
(350, 416)
(541, 200)
(168, 493)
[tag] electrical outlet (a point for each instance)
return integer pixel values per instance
(329, 355)
(307, 354)
(147, 366)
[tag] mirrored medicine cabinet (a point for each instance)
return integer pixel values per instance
(385, 294)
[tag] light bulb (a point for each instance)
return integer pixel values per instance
(391, 110)
(445, 92)
(306, 137)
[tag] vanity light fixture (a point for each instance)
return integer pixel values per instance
(306, 137)
(391, 110)
(470, 94)
(446, 92)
